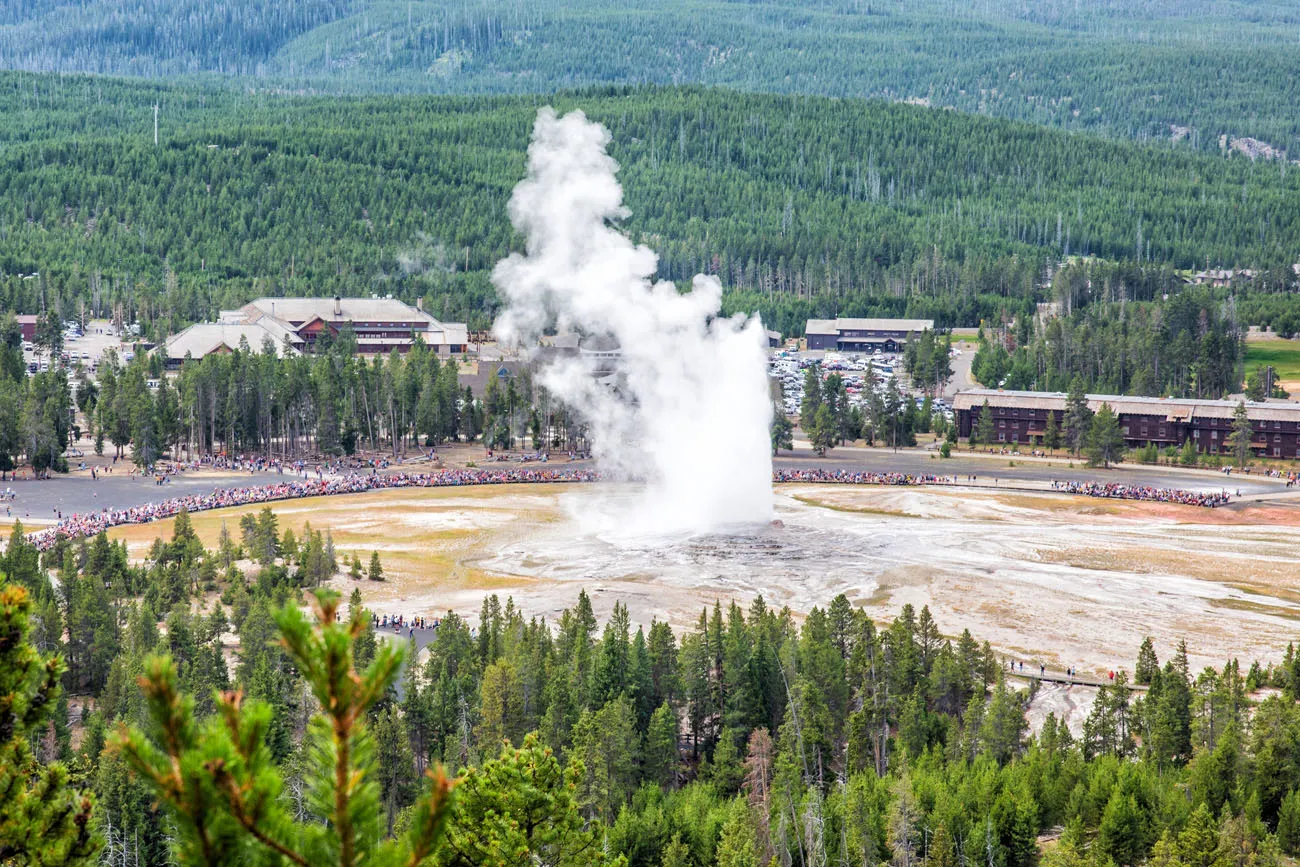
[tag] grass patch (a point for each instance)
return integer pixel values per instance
(1284, 355)
(854, 510)
(1256, 608)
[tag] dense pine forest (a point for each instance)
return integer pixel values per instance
(752, 738)
(1188, 346)
(1129, 69)
(803, 206)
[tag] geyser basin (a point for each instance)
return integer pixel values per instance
(1068, 580)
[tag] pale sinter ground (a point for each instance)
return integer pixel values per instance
(1066, 581)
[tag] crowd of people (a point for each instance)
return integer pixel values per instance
(1147, 493)
(816, 475)
(78, 526)
(1111, 490)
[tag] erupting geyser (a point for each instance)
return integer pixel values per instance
(687, 406)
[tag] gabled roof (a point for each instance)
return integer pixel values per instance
(302, 310)
(835, 326)
(886, 324)
(821, 326)
(205, 338)
(446, 334)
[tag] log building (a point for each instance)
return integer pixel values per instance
(1020, 417)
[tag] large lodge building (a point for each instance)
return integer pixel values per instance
(1020, 417)
(294, 325)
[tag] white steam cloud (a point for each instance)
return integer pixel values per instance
(688, 407)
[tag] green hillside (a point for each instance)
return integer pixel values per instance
(805, 204)
(1215, 67)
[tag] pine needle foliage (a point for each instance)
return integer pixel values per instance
(223, 789)
(42, 819)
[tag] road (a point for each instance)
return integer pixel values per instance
(961, 378)
(41, 501)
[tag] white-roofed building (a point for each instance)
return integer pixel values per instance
(207, 338)
(379, 326)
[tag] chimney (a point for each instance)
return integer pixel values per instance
(419, 303)
(338, 307)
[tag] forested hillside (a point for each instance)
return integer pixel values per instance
(1214, 67)
(803, 206)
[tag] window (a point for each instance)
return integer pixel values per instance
(1162, 431)
(1214, 434)
(1277, 438)
(1002, 422)
(1002, 437)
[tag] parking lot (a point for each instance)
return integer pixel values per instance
(84, 348)
(862, 374)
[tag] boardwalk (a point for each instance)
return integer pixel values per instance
(1050, 676)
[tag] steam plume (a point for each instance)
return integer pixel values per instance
(688, 408)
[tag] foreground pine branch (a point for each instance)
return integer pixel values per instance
(223, 789)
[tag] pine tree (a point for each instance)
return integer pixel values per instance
(1288, 823)
(1122, 833)
(394, 763)
(376, 572)
(661, 756)
(736, 839)
(43, 820)
(725, 771)
(1052, 433)
(1198, 843)
(1147, 663)
(812, 398)
(782, 431)
(1078, 417)
(1240, 438)
(824, 432)
(1105, 441)
(1170, 735)
(502, 704)
(983, 433)
(606, 743)
(1254, 389)
(520, 808)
